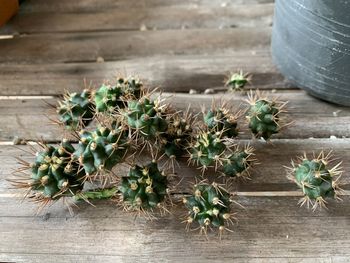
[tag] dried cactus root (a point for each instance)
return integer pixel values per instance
(144, 189)
(101, 149)
(237, 81)
(208, 206)
(76, 110)
(239, 162)
(219, 118)
(264, 115)
(97, 194)
(316, 179)
(53, 174)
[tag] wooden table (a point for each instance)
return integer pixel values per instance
(178, 45)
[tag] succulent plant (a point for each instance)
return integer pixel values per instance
(238, 163)
(97, 194)
(237, 81)
(132, 87)
(144, 188)
(264, 116)
(207, 149)
(146, 117)
(107, 98)
(101, 149)
(219, 118)
(316, 179)
(208, 206)
(178, 134)
(76, 110)
(53, 174)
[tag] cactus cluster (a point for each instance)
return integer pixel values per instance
(316, 179)
(144, 188)
(208, 206)
(76, 110)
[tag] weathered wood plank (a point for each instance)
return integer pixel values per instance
(64, 6)
(152, 18)
(269, 175)
(84, 47)
(26, 118)
(103, 232)
(171, 73)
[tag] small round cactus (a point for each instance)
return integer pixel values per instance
(76, 110)
(132, 87)
(107, 98)
(208, 206)
(208, 149)
(237, 81)
(316, 179)
(238, 163)
(264, 116)
(178, 134)
(146, 117)
(219, 118)
(53, 175)
(101, 149)
(145, 188)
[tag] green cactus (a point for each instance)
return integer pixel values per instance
(208, 149)
(178, 134)
(219, 118)
(144, 188)
(264, 116)
(53, 175)
(238, 163)
(132, 87)
(76, 110)
(101, 149)
(237, 81)
(97, 194)
(146, 117)
(317, 181)
(208, 206)
(107, 98)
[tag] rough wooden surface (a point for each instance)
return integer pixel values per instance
(51, 46)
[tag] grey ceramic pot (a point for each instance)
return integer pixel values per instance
(311, 46)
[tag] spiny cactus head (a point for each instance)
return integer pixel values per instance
(207, 149)
(219, 118)
(76, 110)
(238, 163)
(107, 98)
(178, 134)
(147, 117)
(264, 115)
(53, 174)
(101, 149)
(131, 87)
(316, 179)
(145, 187)
(238, 80)
(208, 206)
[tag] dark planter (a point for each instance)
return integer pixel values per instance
(311, 46)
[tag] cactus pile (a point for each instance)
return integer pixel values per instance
(129, 119)
(316, 179)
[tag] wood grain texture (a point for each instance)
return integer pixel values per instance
(65, 6)
(152, 18)
(171, 73)
(26, 118)
(87, 47)
(269, 228)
